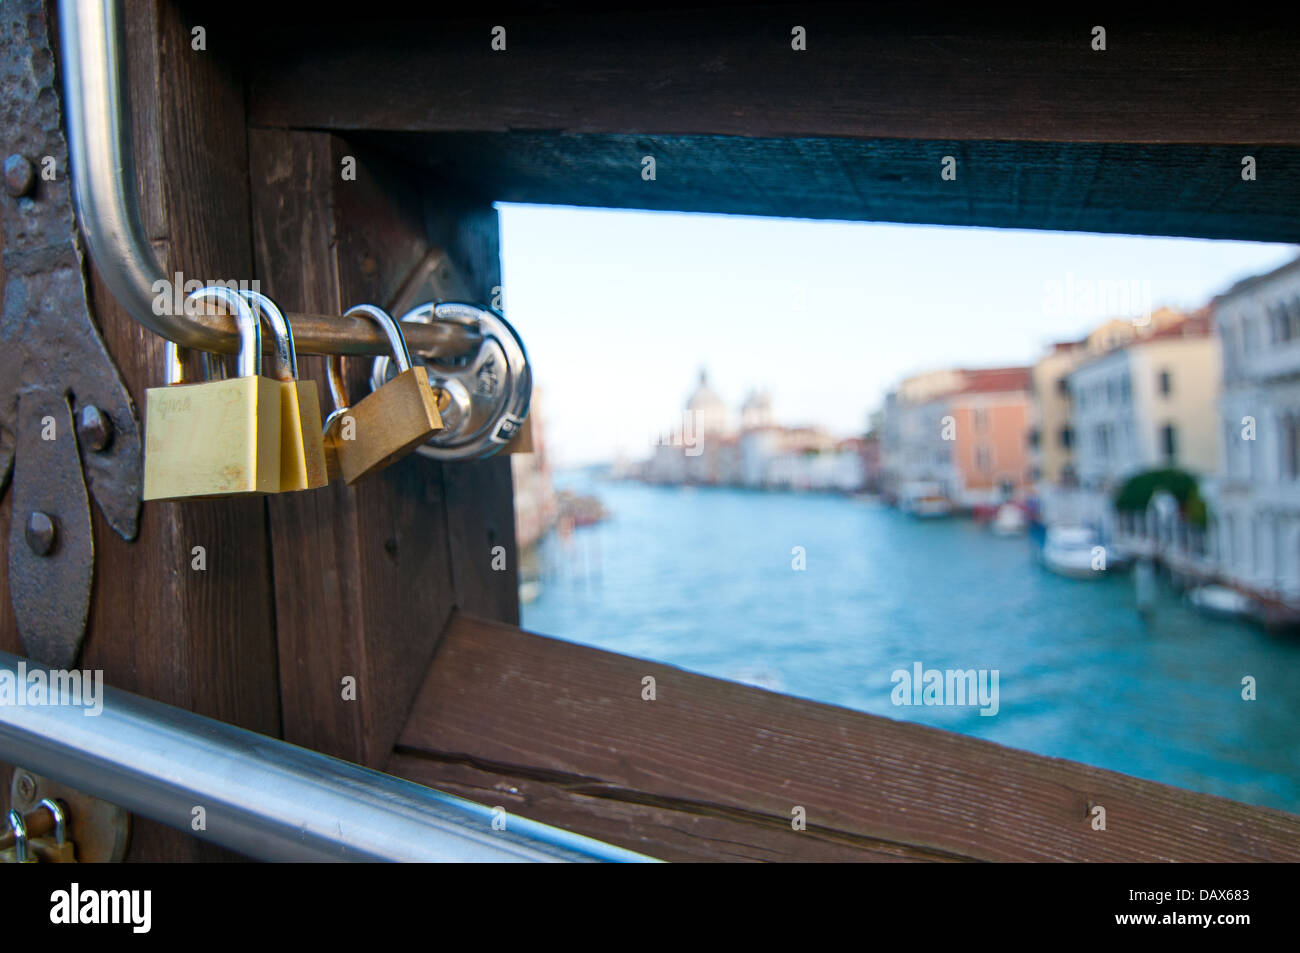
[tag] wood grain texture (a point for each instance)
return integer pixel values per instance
(366, 576)
(479, 494)
(560, 733)
(1118, 188)
(878, 71)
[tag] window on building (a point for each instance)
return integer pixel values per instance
(1169, 442)
(1063, 386)
(1291, 447)
(1166, 383)
(983, 459)
(1066, 438)
(1279, 320)
(1034, 438)
(981, 420)
(1125, 389)
(1103, 440)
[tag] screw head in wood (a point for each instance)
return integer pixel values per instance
(42, 533)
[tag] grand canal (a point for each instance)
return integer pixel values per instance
(705, 579)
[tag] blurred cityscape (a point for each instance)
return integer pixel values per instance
(1165, 440)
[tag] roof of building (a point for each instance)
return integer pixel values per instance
(1198, 324)
(1249, 284)
(991, 380)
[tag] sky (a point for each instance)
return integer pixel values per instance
(620, 310)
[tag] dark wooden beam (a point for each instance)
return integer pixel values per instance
(712, 770)
(1195, 191)
(893, 70)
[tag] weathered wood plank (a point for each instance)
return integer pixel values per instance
(869, 71)
(1133, 189)
(366, 576)
(479, 494)
(566, 726)
(345, 557)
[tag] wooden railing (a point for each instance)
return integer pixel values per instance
(712, 770)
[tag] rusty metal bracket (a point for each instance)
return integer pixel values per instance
(53, 362)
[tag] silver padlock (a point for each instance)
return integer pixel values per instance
(483, 396)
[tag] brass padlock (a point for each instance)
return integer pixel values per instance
(302, 451)
(215, 438)
(57, 849)
(389, 422)
(19, 853)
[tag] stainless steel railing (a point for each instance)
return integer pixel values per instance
(96, 109)
(260, 796)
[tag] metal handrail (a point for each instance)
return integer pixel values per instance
(96, 102)
(260, 796)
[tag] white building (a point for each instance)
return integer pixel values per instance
(1146, 405)
(1255, 506)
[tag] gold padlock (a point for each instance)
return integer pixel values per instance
(302, 451)
(386, 424)
(57, 849)
(215, 438)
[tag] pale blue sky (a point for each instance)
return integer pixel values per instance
(619, 310)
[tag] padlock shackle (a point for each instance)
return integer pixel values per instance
(174, 364)
(401, 353)
(250, 328)
(285, 354)
(19, 828)
(60, 818)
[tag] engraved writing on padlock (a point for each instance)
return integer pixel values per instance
(484, 396)
(389, 422)
(215, 438)
(302, 452)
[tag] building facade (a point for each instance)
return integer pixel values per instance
(1144, 405)
(959, 433)
(1255, 503)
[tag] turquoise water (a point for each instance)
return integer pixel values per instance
(703, 579)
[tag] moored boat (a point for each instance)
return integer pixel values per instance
(1010, 521)
(1072, 551)
(1222, 602)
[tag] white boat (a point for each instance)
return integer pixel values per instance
(925, 500)
(1222, 601)
(1071, 551)
(1010, 521)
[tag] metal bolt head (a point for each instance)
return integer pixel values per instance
(42, 533)
(20, 175)
(26, 788)
(94, 428)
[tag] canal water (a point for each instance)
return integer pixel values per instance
(704, 579)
